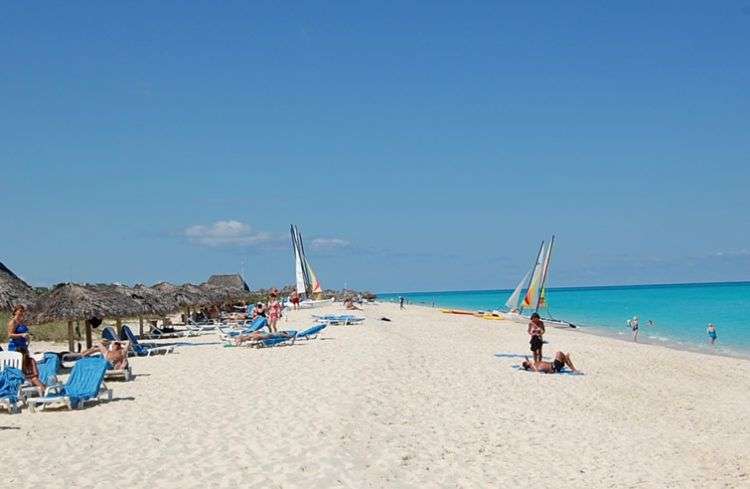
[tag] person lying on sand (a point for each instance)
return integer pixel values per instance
(258, 336)
(556, 366)
(115, 352)
(349, 304)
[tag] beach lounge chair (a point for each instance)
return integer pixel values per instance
(200, 327)
(10, 359)
(231, 333)
(85, 383)
(281, 338)
(11, 380)
(141, 349)
(159, 333)
(344, 319)
(312, 332)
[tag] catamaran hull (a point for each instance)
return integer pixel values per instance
(555, 323)
(311, 304)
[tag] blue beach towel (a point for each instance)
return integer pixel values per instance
(48, 368)
(10, 382)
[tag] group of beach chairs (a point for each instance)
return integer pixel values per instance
(253, 330)
(85, 382)
(86, 379)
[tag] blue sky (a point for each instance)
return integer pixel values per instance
(419, 146)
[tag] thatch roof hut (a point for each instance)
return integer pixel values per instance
(73, 302)
(233, 281)
(186, 295)
(13, 290)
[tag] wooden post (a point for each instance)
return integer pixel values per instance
(70, 336)
(88, 334)
(140, 326)
(118, 326)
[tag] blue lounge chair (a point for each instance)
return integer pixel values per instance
(282, 338)
(312, 332)
(344, 319)
(86, 382)
(11, 380)
(140, 349)
(109, 334)
(229, 334)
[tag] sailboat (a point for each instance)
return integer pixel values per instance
(535, 297)
(307, 283)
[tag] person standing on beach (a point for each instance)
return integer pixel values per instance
(711, 333)
(18, 331)
(401, 302)
(294, 299)
(633, 324)
(274, 311)
(536, 332)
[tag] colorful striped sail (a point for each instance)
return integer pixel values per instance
(542, 301)
(532, 292)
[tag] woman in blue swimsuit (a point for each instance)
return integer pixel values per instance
(18, 332)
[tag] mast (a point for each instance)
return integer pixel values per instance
(545, 272)
(534, 264)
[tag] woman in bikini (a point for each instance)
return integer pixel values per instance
(274, 311)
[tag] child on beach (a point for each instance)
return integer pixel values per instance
(536, 331)
(711, 333)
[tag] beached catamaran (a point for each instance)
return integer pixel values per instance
(308, 285)
(535, 298)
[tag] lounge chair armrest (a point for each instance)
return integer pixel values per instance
(53, 389)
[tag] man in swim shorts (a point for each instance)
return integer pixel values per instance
(561, 361)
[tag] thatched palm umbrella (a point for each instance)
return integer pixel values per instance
(152, 303)
(74, 302)
(13, 290)
(184, 296)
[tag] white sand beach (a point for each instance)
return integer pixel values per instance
(426, 400)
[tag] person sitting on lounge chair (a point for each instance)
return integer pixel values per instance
(30, 371)
(556, 366)
(116, 353)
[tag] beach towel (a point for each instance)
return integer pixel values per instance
(10, 382)
(48, 368)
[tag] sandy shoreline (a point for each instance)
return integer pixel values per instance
(426, 400)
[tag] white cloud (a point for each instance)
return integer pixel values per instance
(329, 243)
(226, 233)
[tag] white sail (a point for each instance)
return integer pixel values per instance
(298, 272)
(515, 297)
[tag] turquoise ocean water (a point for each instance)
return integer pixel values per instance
(680, 313)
